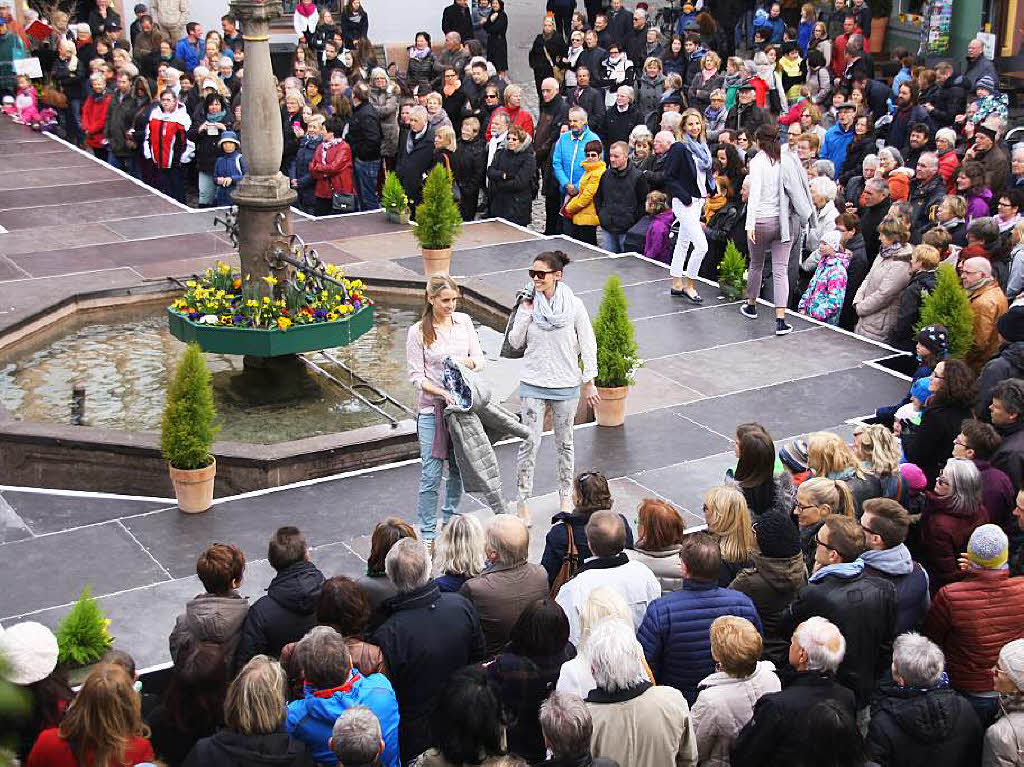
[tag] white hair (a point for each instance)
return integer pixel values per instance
(566, 723)
(824, 186)
(930, 157)
(355, 738)
(640, 131)
(580, 111)
(616, 658)
(825, 168)
(407, 564)
(917, 659)
(869, 161)
(421, 112)
(823, 642)
(603, 602)
(628, 90)
(1018, 149)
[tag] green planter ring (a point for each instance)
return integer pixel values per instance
(261, 342)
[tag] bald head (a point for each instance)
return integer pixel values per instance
(663, 141)
(508, 540)
(606, 533)
(978, 266)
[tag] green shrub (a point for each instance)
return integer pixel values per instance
(393, 198)
(82, 636)
(437, 218)
(949, 305)
(617, 359)
(187, 429)
(731, 277)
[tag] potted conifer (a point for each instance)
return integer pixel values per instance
(186, 433)
(394, 199)
(437, 222)
(949, 305)
(617, 359)
(732, 273)
(82, 636)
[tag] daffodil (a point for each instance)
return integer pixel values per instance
(271, 281)
(300, 276)
(190, 284)
(284, 323)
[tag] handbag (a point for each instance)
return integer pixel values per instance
(343, 202)
(557, 72)
(570, 563)
(564, 211)
(507, 349)
(456, 192)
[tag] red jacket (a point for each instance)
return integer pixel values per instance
(51, 750)
(948, 164)
(519, 117)
(944, 536)
(332, 168)
(94, 117)
(167, 144)
(972, 620)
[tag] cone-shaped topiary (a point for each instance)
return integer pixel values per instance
(393, 198)
(731, 277)
(617, 359)
(187, 429)
(949, 305)
(437, 218)
(82, 636)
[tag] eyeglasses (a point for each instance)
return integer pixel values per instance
(540, 274)
(868, 530)
(820, 542)
(803, 506)
(942, 481)
(1005, 204)
(960, 443)
(491, 96)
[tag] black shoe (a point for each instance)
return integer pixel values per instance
(782, 328)
(749, 311)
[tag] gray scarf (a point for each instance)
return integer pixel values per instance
(554, 313)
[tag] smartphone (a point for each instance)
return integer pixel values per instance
(529, 291)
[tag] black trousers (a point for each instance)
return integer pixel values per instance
(587, 234)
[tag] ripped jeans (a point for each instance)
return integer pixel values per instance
(563, 413)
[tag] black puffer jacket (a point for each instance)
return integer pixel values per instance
(364, 133)
(902, 335)
(469, 164)
(557, 541)
(619, 124)
(284, 615)
(921, 728)
(620, 199)
(413, 165)
(422, 71)
(512, 183)
(853, 164)
(229, 749)
(1008, 363)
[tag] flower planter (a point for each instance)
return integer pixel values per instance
(398, 218)
(436, 261)
(611, 410)
(264, 342)
(194, 487)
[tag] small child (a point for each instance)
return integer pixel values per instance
(229, 168)
(9, 108)
(26, 100)
(823, 299)
(908, 416)
(657, 244)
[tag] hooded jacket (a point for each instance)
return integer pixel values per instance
(306, 181)
(664, 564)
(914, 727)
(1009, 363)
(385, 101)
(511, 178)
(908, 310)
(910, 580)
(581, 207)
(724, 704)
(876, 300)
(166, 143)
(621, 197)
(333, 169)
(284, 615)
(772, 583)
(209, 618)
(231, 749)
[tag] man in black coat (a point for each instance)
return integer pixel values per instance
(1008, 363)
(589, 99)
(288, 610)
(876, 199)
(876, 93)
(554, 113)
(364, 136)
(621, 198)
(950, 98)
(427, 636)
(926, 192)
(1007, 414)
(908, 113)
(776, 733)
(592, 56)
(620, 21)
(457, 18)
(415, 154)
(746, 114)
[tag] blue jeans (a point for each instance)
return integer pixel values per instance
(366, 183)
(613, 243)
(207, 189)
(985, 706)
(127, 164)
(430, 481)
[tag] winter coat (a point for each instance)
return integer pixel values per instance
(497, 45)
(519, 117)
(876, 300)
(231, 166)
(1003, 739)
(51, 750)
(207, 147)
(912, 727)
(649, 93)
(749, 117)
(823, 299)
(306, 187)
(581, 207)
(674, 632)
(385, 101)
(333, 169)
(664, 565)
(699, 92)
(924, 199)
(772, 583)
(853, 165)
(542, 50)
(724, 705)
(364, 133)
(366, 658)
(618, 124)
(988, 304)
(556, 543)
(511, 183)
(421, 71)
(979, 204)
(426, 637)
(997, 496)
(166, 142)
(902, 335)
(776, 733)
(856, 272)
(944, 532)
(311, 718)
(469, 164)
(284, 615)
(658, 243)
(1009, 363)
(837, 144)
(500, 594)
(592, 101)
(231, 749)
(621, 197)
(971, 621)
(120, 119)
(643, 726)
(821, 223)
(863, 606)
(774, 496)
(209, 619)
(457, 18)
(94, 117)
(910, 580)
(353, 26)
(553, 115)
(414, 162)
(931, 444)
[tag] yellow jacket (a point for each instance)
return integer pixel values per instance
(582, 205)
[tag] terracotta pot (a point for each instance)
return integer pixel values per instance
(436, 261)
(611, 410)
(879, 27)
(194, 487)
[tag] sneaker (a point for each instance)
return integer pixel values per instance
(749, 311)
(782, 328)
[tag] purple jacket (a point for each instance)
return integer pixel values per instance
(657, 245)
(978, 205)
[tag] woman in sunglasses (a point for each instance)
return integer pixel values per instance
(554, 330)
(580, 209)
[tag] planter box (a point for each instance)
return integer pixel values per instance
(260, 342)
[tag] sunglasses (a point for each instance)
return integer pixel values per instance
(491, 96)
(593, 154)
(538, 274)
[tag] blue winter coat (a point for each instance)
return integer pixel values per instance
(311, 719)
(568, 156)
(837, 142)
(675, 632)
(306, 186)
(231, 165)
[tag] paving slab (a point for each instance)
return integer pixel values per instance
(147, 227)
(55, 238)
(141, 204)
(44, 146)
(44, 177)
(344, 227)
(12, 527)
(49, 513)
(99, 190)
(57, 160)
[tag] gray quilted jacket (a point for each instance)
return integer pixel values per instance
(468, 422)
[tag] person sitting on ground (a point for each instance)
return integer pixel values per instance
(509, 582)
(728, 520)
(462, 552)
(286, 613)
(660, 532)
(918, 721)
(951, 514)
(604, 602)
(356, 738)
(568, 729)
(1002, 741)
(726, 699)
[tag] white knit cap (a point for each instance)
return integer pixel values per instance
(1011, 659)
(30, 650)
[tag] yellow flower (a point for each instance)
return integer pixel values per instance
(271, 281)
(223, 268)
(283, 323)
(301, 277)
(332, 317)
(190, 284)
(252, 302)
(266, 300)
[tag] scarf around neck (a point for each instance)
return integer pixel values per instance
(701, 153)
(556, 312)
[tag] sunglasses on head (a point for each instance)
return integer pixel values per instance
(538, 274)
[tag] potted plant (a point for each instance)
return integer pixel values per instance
(881, 11)
(617, 359)
(82, 636)
(732, 273)
(437, 222)
(394, 199)
(186, 433)
(949, 305)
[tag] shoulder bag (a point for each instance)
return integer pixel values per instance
(343, 202)
(557, 72)
(570, 563)
(507, 349)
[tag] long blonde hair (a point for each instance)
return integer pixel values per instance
(435, 284)
(834, 493)
(880, 449)
(828, 454)
(106, 715)
(691, 112)
(728, 518)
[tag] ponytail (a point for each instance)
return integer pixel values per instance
(844, 499)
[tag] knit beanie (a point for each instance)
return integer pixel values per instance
(31, 652)
(1011, 324)
(1011, 660)
(794, 456)
(777, 536)
(988, 547)
(914, 477)
(934, 338)
(919, 389)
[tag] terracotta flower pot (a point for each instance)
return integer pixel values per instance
(436, 261)
(611, 410)
(194, 487)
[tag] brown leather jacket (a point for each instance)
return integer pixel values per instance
(366, 659)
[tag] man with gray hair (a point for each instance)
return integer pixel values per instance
(926, 192)
(427, 636)
(332, 686)
(988, 302)
(508, 583)
(415, 154)
(568, 727)
(918, 720)
(875, 208)
(355, 739)
(635, 723)
(776, 733)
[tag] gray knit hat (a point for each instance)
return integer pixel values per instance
(1011, 661)
(988, 547)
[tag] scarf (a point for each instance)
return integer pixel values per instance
(556, 312)
(711, 114)
(305, 10)
(842, 569)
(216, 117)
(953, 223)
(890, 251)
(416, 53)
(701, 153)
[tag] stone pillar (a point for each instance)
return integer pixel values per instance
(264, 191)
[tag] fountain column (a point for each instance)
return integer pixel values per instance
(264, 191)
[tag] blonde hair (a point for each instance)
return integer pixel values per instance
(603, 602)
(812, 139)
(1018, 232)
(808, 12)
(433, 96)
(833, 493)
(255, 703)
(657, 202)
(691, 112)
(447, 136)
(728, 518)
(712, 56)
(510, 91)
(435, 285)
(654, 60)
(735, 645)
(928, 256)
(462, 546)
(106, 715)
(673, 81)
(828, 454)
(877, 443)
(894, 229)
